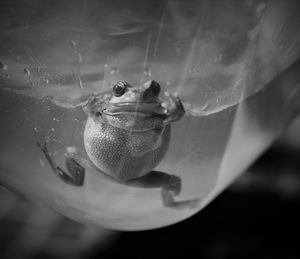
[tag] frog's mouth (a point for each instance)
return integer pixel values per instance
(143, 108)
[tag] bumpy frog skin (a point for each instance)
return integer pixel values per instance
(126, 135)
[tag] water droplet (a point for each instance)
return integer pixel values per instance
(27, 72)
(73, 43)
(52, 129)
(205, 107)
(147, 72)
(55, 119)
(168, 83)
(3, 66)
(47, 139)
(79, 58)
(192, 70)
(114, 71)
(80, 83)
(42, 163)
(36, 129)
(46, 80)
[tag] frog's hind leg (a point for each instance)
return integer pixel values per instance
(170, 188)
(76, 172)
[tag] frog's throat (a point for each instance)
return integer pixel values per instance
(134, 121)
(142, 109)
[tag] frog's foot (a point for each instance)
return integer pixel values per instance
(175, 109)
(76, 172)
(171, 190)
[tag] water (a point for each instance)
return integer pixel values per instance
(219, 57)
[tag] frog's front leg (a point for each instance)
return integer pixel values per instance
(94, 104)
(174, 109)
(76, 171)
(170, 188)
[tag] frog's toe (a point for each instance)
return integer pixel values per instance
(171, 190)
(76, 171)
(173, 186)
(169, 201)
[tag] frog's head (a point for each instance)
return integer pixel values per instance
(139, 100)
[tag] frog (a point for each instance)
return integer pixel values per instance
(126, 136)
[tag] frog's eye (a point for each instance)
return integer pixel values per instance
(155, 87)
(120, 88)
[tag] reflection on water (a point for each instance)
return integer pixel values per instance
(215, 54)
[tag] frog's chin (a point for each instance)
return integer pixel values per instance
(143, 108)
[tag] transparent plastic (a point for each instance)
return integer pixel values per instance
(232, 63)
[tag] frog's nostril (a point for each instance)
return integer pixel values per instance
(155, 87)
